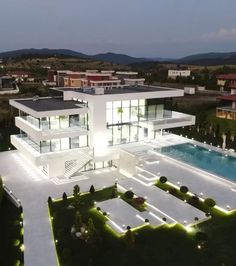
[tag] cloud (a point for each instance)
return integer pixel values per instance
(222, 34)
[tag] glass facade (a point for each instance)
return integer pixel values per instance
(123, 119)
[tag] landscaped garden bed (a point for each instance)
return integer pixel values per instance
(96, 244)
(11, 234)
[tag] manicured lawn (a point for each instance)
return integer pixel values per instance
(11, 234)
(162, 246)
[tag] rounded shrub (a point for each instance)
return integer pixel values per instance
(98, 209)
(164, 219)
(128, 227)
(146, 221)
(129, 194)
(163, 179)
(104, 213)
(209, 202)
(183, 189)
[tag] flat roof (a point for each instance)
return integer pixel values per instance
(122, 90)
(48, 104)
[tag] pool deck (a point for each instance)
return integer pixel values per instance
(200, 182)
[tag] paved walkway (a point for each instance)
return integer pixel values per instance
(33, 190)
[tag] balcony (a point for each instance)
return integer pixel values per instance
(31, 127)
(226, 112)
(170, 119)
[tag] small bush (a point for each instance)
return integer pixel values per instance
(163, 179)
(210, 202)
(98, 209)
(183, 189)
(104, 213)
(146, 221)
(128, 227)
(129, 194)
(139, 200)
(173, 191)
(194, 200)
(92, 189)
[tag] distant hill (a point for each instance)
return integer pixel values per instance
(209, 59)
(197, 59)
(108, 57)
(44, 51)
(121, 59)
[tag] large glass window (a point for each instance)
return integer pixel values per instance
(123, 119)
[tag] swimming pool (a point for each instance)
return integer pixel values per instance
(211, 161)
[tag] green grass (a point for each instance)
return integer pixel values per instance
(162, 246)
(11, 236)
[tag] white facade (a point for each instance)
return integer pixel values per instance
(173, 74)
(85, 129)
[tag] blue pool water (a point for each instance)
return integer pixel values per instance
(210, 161)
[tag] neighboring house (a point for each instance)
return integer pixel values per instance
(7, 85)
(86, 129)
(227, 83)
(21, 76)
(94, 78)
(173, 74)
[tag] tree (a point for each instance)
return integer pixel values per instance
(91, 228)
(64, 197)
(129, 239)
(76, 190)
(76, 194)
(114, 192)
(92, 189)
(78, 220)
(1, 190)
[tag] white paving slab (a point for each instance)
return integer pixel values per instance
(164, 204)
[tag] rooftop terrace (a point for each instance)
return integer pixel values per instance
(48, 104)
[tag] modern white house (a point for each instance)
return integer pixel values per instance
(84, 129)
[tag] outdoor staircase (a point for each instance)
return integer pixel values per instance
(144, 176)
(74, 166)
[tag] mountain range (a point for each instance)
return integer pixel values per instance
(198, 59)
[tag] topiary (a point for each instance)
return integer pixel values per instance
(183, 189)
(64, 196)
(129, 194)
(210, 202)
(92, 189)
(163, 179)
